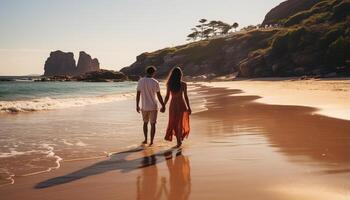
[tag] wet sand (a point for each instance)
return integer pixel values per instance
(237, 149)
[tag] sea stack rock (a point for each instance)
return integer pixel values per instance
(87, 64)
(60, 63)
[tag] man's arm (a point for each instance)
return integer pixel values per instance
(138, 94)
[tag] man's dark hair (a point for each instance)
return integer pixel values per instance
(150, 70)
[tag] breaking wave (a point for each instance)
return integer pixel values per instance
(48, 103)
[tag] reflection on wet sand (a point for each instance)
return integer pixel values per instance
(147, 182)
(179, 177)
(179, 186)
(293, 129)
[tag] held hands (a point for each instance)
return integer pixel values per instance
(162, 110)
(189, 111)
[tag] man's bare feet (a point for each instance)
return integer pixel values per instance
(144, 142)
(150, 144)
(168, 155)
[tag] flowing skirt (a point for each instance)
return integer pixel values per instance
(179, 120)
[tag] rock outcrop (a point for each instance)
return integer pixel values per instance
(287, 9)
(86, 63)
(60, 63)
(313, 40)
(102, 76)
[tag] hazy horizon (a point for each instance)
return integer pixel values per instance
(115, 32)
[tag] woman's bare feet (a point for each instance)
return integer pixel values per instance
(178, 144)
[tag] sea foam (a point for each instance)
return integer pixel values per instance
(48, 103)
(13, 153)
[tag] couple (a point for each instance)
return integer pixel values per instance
(179, 108)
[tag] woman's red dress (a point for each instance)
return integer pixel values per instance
(178, 117)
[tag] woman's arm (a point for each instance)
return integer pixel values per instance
(166, 99)
(186, 99)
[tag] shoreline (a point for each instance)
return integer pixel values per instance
(330, 96)
(104, 115)
(248, 148)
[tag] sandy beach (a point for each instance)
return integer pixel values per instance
(278, 140)
(329, 96)
(175, 100)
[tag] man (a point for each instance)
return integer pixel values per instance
(148, 89)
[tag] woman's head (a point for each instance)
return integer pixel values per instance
(174, 79)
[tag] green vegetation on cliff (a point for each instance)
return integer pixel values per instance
(313, 41)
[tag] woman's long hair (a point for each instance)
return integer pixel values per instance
(174, 79)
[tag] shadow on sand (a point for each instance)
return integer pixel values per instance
(117, 161)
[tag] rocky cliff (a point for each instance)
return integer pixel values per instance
(313, 39)
(86, 63)
(287, 9)
(61, 63)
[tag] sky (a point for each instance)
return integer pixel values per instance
(114, 31)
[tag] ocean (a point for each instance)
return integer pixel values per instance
(44, 124)
(24, 96)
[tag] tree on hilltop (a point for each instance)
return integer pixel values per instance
(194, 35)
(214, 26)
(235, 26)
(205, 29)
(202, 26)
(207, 33)
(224, 27)
(202, 21)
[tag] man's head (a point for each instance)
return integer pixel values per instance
(151, 70)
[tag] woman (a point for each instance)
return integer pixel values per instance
(179, 109)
